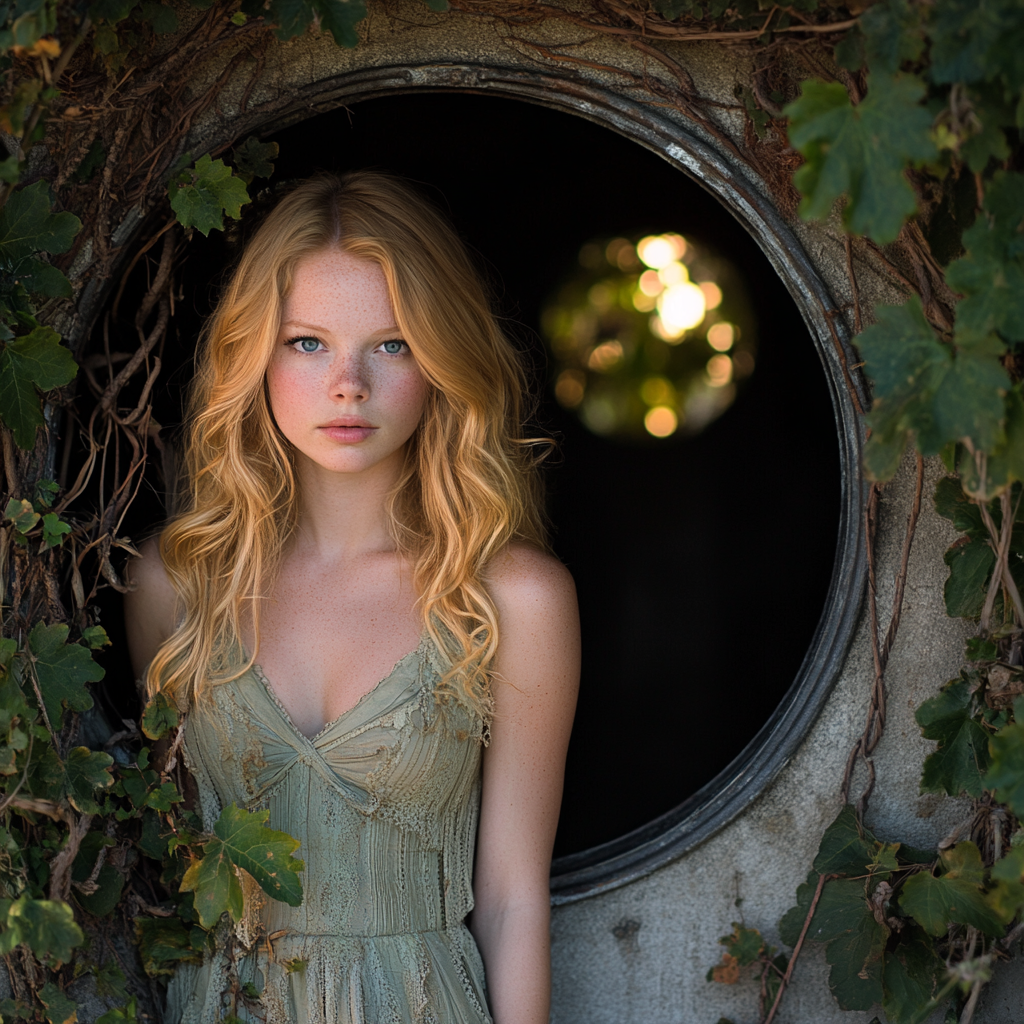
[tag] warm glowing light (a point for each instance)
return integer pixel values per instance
(657, 391)
(712, 294)
(659, 330)
(673, 273)
(721, 337)
(569, 388)
(658, 250)
(605, 357)
(661, 421)
(619, 253)
(719, 371)
(681, 307)
(642, 302)
(650, 283)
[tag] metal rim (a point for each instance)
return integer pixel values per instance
(669, 837)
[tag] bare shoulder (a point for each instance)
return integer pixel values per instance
(149, 607)
(526, 582)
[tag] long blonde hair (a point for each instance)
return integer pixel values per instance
(469, 484)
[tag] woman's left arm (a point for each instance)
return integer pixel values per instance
(537, 670)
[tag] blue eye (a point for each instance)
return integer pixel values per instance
(305, 344)
(393, 348)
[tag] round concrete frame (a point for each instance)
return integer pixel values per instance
(668, 837)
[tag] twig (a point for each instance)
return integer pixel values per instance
(822, 879)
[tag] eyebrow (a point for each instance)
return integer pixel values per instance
(321, 330)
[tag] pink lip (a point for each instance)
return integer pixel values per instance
(348, 429)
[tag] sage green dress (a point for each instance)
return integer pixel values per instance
(384, 802)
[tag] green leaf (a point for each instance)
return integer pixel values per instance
(19, 401)
(909, 979)
(54, 530)
(243, 841)
(59, 1009)
(978, 40)
(437, 5)
(951, 503)
(339, 17)
(200, 196)
(159, 717)
(104, 901)
(252, 158)
(792, 922)
(961, 760)
(846, 847)
(27, 226)
(112, 11)
(96, 637)
(954, 896)
(48, 928)
(35, 360)
(893, 34)
(41, 357)
(1006, 776)
(85, 771)
(970, 568)
(855, 943)
(861, 151)
(1005, 462)
(21, 513)
(163, 944)
(39, 278)
(745, 944)
(62, 669)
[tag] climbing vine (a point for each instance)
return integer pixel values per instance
(906, 117)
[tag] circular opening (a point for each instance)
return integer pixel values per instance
(701, 579)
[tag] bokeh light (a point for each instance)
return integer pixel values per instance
(650, 337)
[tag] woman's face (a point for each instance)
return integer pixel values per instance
(344, 387)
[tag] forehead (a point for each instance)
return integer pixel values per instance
(339, 291)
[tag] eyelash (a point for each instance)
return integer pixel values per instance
(293, 342)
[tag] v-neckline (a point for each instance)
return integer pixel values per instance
(268, 686)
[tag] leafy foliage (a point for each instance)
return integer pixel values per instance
(242, 841)
(201, 195)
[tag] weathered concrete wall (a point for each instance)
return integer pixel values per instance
(640, 953)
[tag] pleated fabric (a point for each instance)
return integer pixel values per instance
(385, 803)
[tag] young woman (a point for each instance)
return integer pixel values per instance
(357, 610)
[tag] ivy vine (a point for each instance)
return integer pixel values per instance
(905, 117)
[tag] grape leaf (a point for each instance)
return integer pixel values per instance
(970, 567)
(21, 513)
(161, 17)
(201, 195)
(252, 158)
(1006, 776)
(978, 40)
(48, 928)
(846, 848)
(35, 360)
(39, 278)
(951, 503)
(961, 760)
(159, 717)
(25, 22)
(27, 226)
(242, 840)
(62, 669)
(861, 151)
(339, 17)
(955, 896)
(991, 274)
(85, 771)
(54, 530)
(59, 1009)
(909, 978)
(96, 637)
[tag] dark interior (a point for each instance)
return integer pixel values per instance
(702, 564)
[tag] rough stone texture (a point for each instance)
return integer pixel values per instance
(640, 953)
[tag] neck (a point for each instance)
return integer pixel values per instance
(343, 515)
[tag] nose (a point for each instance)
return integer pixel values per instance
(349, 377)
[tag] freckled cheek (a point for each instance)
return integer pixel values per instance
(291, 394)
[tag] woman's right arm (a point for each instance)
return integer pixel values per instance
(149, 607)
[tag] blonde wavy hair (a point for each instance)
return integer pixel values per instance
(469, 484)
